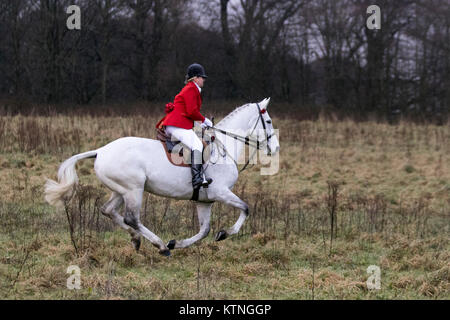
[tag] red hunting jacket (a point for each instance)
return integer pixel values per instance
(186, 109)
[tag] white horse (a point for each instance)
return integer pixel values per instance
(131, 165)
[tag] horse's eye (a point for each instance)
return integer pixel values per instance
(269, 121)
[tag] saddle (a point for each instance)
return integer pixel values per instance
(178, 153)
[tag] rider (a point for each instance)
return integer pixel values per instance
(180, 121)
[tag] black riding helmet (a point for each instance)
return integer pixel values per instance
(196, 70)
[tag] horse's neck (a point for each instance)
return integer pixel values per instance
(239, 123)
(238, 119)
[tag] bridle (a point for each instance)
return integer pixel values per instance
(247, 140)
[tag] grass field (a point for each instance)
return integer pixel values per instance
(387, 187)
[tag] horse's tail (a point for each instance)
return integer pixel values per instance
(57, 192)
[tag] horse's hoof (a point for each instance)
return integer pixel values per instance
(136, 243)
(165, 253)
(171, 244)
(221, 235)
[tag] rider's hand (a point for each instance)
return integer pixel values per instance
(206, 123)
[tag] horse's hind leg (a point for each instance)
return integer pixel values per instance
(204, 214)
(133, 201)
(111, 210)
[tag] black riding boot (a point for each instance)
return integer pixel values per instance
(196, 169)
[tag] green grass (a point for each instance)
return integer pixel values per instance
(392, 211)
(236, 269)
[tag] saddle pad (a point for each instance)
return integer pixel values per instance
(176, 158)
(177, 153)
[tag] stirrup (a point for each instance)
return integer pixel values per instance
(206, 181)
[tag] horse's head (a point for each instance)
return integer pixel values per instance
(265, 128)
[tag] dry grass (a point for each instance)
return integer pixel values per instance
(391, 210)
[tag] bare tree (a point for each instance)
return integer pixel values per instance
(335, 27)
(150, 32)
(431, 32)
(106, 10)
(257, 27)
(395, 17)
(15, 21)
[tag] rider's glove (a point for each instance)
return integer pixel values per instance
(206, 123)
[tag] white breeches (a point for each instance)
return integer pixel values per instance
(186, 136)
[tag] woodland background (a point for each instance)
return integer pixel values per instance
(312, 55)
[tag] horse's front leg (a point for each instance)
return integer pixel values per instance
(228, 197)
(204, 215)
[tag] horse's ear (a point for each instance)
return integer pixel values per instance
(265, 103)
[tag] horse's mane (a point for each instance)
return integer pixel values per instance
(233, 113)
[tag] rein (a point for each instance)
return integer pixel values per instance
(246, 140)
